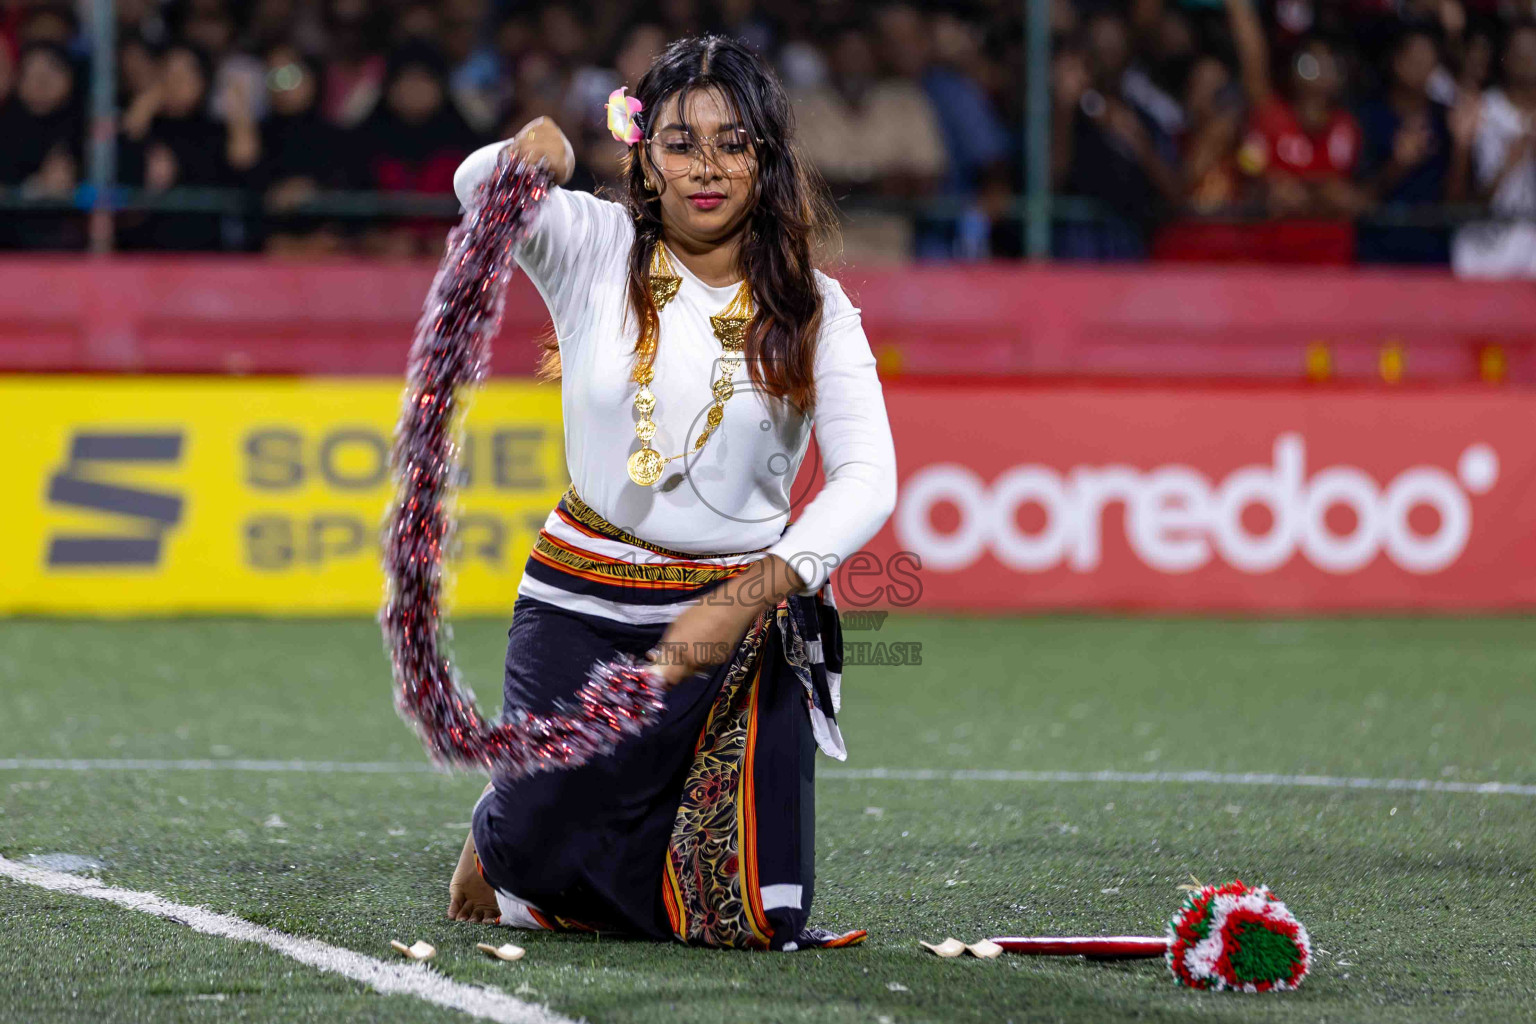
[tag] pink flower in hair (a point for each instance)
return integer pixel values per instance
(621, 117)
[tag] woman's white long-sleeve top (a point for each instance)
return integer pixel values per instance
(736, 494)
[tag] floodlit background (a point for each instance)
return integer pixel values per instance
(1207, 337)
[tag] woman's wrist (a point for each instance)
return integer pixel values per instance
(785, 581)
(767, 582)
(542, 139)
(762, 586)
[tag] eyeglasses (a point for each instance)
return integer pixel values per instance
(674, 150)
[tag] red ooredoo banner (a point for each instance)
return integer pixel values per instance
(1206, 500)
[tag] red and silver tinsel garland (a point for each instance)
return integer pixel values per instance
(450, 353)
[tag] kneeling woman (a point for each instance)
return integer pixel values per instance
(672, 540)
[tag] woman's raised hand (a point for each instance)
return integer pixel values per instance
(542, 139)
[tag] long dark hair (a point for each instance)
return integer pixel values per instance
(791, 220)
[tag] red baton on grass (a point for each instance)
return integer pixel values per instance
(1224, 937)
(1095, 947)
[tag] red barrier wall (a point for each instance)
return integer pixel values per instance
(247, 315)
(1201, 499)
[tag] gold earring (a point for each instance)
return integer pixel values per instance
(650, 186)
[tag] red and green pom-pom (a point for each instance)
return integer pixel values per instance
(1234, 937)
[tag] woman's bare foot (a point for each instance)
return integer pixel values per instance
(470, 897)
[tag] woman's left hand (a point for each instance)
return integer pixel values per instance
(707, 633)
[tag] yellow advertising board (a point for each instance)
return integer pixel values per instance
(164, 495)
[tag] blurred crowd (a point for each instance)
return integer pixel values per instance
(293, 99)
(1305, 130)
(1318, 131)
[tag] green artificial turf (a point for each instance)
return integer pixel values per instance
(1419, 903)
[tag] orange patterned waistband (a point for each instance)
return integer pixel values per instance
(649, 565)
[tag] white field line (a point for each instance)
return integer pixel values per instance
(130, 764)
(416, 980)
(855, 774)
(1185, 778)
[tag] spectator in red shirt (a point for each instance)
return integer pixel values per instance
(1303, 147)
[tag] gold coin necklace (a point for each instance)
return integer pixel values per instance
(730, 326)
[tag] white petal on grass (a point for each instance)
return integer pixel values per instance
(949, 948)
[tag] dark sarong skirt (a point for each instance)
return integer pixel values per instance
(702, 828)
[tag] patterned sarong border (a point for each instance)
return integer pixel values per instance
(710, 886)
